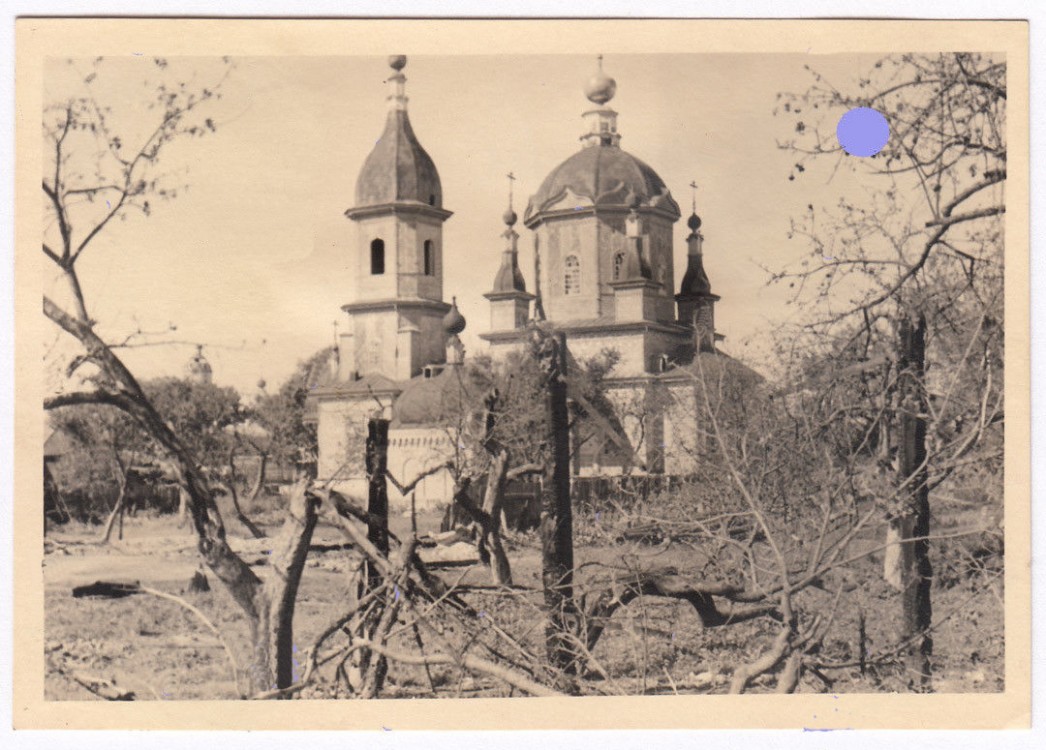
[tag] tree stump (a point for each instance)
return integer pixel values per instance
(198, 583)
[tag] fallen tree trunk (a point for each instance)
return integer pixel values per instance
(102, 687)
(599, 608)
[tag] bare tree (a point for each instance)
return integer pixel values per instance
(924, 252)
(95, 175)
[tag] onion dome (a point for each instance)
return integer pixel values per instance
(694, 222)
(509, 217)
(453, 321)
(261, 384)
(695, 280)
(398, 169)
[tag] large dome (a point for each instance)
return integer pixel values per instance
(602, 176)
(398, 169)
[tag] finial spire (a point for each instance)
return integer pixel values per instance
(397, 83)
(600, 88)
(509, 217)
(694, 222)
(602, 121)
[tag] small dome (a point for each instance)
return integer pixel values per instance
(454, 321)
(397, 62)
(439, 400)
(261, 384)
(509, 217)
(694, 222)
(606, 176)
(600, 88)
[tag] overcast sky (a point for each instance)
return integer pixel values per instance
(251, 261)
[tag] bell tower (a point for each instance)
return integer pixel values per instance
(397, 308)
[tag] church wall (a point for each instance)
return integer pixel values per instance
(681, 430)
(628, 401)
(370, 286)
(629, 345)
(430, 341)
(341, 434)
(508, 314)
(558, 239)
(612, 242)
(374, 341)
(659, 253)
(413, 282)
(413, 451)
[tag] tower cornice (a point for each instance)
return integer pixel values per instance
(400, 207)
(596, 210)
(378, 305)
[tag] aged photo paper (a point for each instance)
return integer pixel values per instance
(522, 374)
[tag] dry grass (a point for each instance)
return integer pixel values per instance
(161, 651)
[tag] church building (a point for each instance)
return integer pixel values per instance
(602, 224)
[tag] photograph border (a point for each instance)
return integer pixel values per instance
(38, 38)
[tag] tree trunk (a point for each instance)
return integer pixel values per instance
(490, 544)
(121, 498)
(183, 506)
(914, 524)
(238, 577)
(234, 496)
(370, 669)
(377, 459)
(259, 480)
(273, 666)
(117, 510)
(557, 537)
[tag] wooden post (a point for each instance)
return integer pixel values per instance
(916, 570)
(376, 462)
(377, 458)
(557, 533)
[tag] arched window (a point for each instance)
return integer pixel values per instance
(428, 258)
(619, 264)
(571, 275)
(377, 257)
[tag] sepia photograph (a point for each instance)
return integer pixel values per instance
(492, 374)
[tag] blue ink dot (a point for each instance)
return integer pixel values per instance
(863, 131)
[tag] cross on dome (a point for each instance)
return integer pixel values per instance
(694, 222)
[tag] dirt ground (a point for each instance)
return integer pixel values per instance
(161, 651)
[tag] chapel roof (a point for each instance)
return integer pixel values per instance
(442, 399)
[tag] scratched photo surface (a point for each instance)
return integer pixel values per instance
(441, 376)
